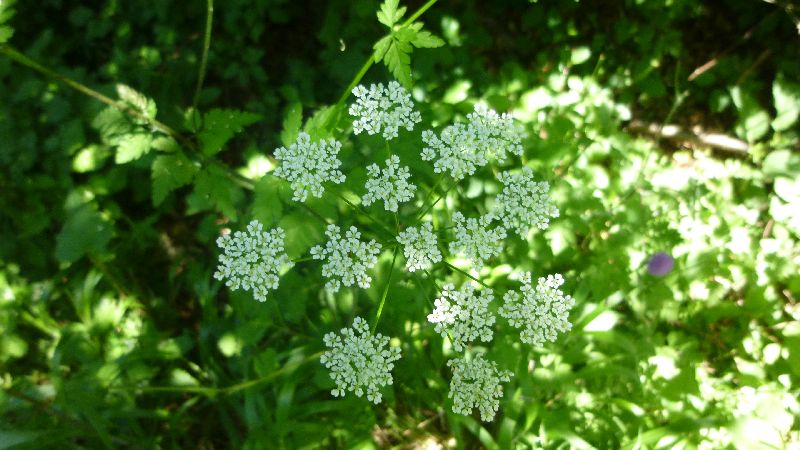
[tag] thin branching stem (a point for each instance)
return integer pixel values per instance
(201, 73)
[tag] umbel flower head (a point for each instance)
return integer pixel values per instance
(383, 109)
(524, 203)
(307, 165)
(388, 184)
(419, 247)
(541, 312)
(252, 259)
(463, 315)
(476, 384)
(359, 362)
(475, 240)
(346, 258)
(462, 148)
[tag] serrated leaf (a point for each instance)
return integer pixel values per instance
(220, 125)
(165, 144)
(787, 103)
(132, 147)
(292, 122)
(213, 188)
(381, 47)
(319, 125)
(390, 13)
(112, 123)
(169, 172)
(426, 39)
(85, 231)
(137, 100)
(398, 61)
(267, 204)
(302, 231)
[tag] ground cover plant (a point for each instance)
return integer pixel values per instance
(399, 225)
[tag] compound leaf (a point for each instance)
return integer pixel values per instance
(219, 126)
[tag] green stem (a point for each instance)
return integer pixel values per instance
(429, 207)
(363, 212)
(370, 61)
(467, 274)
(385, 291)
(206, 45)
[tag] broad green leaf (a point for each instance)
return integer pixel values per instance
(170, 172)
(214, 189)
(137, 101)
(292, 122)
(219, 126)
(132, 147)
(302, 232)
(390, 12)
(753, 121)
(112, 123)
(787, 103)
(6, 12)
(580, 55)
(85, 231)
(267, 204)
(782, 163)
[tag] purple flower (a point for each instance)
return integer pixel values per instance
(660, 264)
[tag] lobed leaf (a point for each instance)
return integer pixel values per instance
(220, 125)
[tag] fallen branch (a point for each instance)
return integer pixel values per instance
(696, 136)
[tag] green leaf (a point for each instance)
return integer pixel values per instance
(137, 101)
(6, 12)
(10, 438)
(219, 126)
(398, 61)
(85, 231)
(753, 121)
(267, 204)
(170, 172)
(132, 147)
(787, 103)
(302, 231)
(395, 50)
(213, 189)
(292, 122)
(781, 163)
(390, 13)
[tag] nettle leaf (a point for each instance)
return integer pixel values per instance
(391, 13)
(137, 101)
(787, 103)
(219, 126)
(6, 12)
(292, 123)
(169, 172)
(214, 189)
(85, 231)
(395, 50)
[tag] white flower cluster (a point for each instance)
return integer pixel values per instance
(475, 241)
(496, 134)
(347, 258)
(359, 361)
(463, 315)
(387, 109)
(476, 383)
(388, 184)
(542, 312)
(252, 260)
(462, 148)
(307, 165)
(419, 247)
(524, 203)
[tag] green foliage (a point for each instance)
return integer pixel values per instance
(6, 12)
(395, 48)
(220, 125)
(116, 335)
